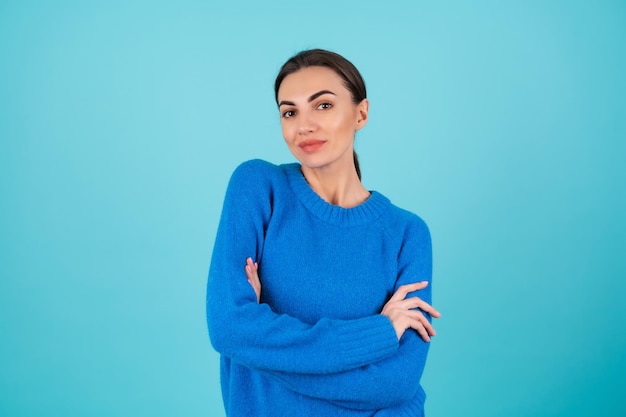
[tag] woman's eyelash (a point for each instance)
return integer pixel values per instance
(323, 106)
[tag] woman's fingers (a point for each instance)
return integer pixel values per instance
(252, 274)
(404, 290)
(403, 319)
(416, 302)
(409, 313)
(420, 320)
(250, 262)
(251, 270)
(418, 326)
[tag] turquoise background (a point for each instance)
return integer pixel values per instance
(501, 123)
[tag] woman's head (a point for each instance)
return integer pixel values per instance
(318, 68)
(322, 58)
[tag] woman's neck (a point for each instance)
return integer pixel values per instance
(340, 187)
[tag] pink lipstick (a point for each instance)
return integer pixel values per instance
(311, 145)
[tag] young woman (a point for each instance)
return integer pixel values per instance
(318, 294)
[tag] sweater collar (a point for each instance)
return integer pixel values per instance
(365, 212)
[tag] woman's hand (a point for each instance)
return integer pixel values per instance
(400, 310)
(252, 272)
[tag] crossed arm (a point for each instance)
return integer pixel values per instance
(363, 392)
(400, 310)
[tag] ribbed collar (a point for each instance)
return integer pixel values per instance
(365, 212)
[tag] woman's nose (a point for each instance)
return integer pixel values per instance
(304, 129)
(307, 124)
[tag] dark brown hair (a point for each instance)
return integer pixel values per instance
(321, 58)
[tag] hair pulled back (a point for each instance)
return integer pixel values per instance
(351, 77)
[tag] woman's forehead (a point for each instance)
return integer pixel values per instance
(307, 81)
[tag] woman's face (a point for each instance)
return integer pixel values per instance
(319, 118)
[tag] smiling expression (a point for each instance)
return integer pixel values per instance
(319, 118)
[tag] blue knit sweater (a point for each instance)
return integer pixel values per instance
(317, 344)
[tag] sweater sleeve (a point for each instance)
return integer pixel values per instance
(251, 333)
(391, 384)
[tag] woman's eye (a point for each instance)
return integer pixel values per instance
(325, 106)
(288, 114)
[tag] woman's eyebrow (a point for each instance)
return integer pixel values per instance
(319, 93)
(313, 97)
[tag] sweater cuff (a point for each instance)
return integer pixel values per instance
(368, 340)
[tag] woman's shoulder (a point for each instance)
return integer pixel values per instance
(258, 168)
(257, 173)
(398, 219)
(255, 166)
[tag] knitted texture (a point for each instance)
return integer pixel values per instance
(316, 344)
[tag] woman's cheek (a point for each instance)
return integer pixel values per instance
(287, 135)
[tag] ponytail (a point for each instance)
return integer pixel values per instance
(356, 164)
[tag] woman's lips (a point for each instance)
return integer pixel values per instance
(311, 145)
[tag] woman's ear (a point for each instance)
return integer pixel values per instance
(361, 112)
